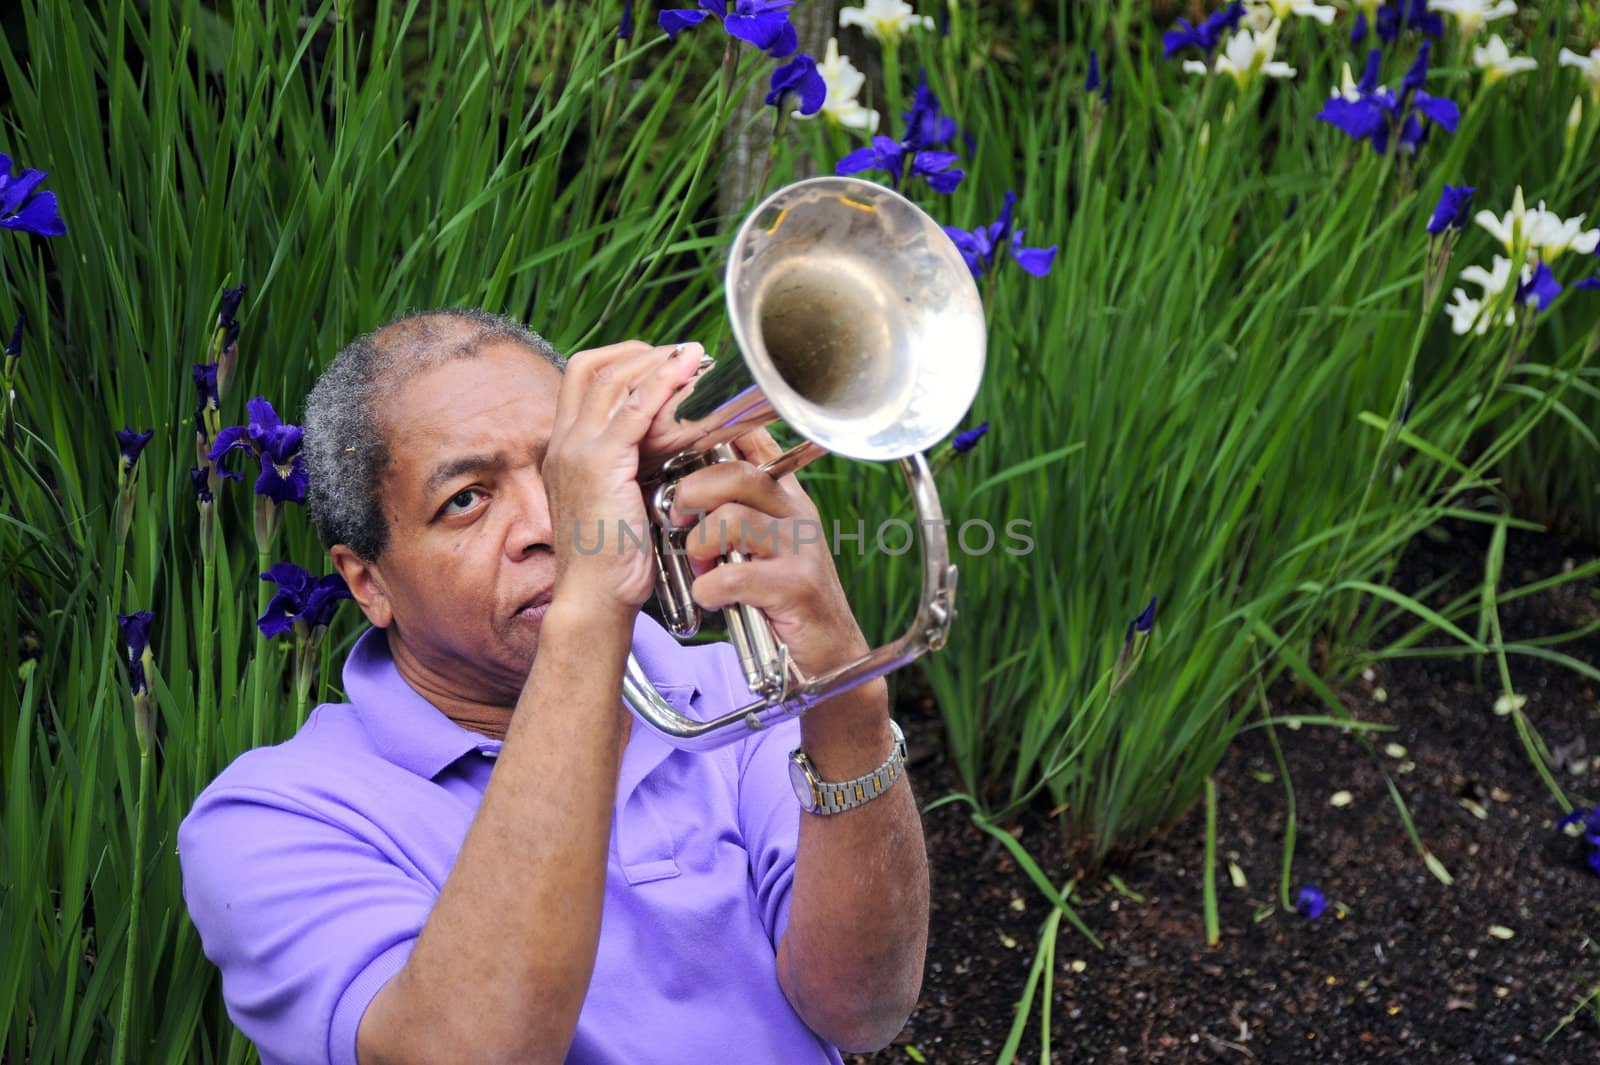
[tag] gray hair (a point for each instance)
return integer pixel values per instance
(344, 447)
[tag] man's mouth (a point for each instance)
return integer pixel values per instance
(534, 609)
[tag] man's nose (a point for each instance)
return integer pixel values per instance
(530, 529)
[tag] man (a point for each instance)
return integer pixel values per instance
(479, 858)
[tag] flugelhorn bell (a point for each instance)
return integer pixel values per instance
(860, 327)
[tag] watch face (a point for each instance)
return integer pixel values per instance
(802, 785)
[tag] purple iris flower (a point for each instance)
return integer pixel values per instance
(1370, 72)
(1093, 81)
(1142, 623)
(965, 442)
(625, 27)
(1376, 112)
(1417, 73)
(1540, 290)
(300, 597)
(227, 319)
(205, 383)
(800, 78)
(763, 23)
(1396, 16)
(886, 153)
(23, 207)
(14, 349)
(927, 126)
(1311, 903)
(981, 247)
(136, 634)
(1362, 117)
(131, 444)
(1455, 203)
(1589, 817)
(1205, 36)
(201, 480)
(277, 444)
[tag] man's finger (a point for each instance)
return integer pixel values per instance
(758, 446)
(667, 435)
(775, 586)
(631, 400)
(729, 482)
(617, 390)
(736, 527)
(582, 369)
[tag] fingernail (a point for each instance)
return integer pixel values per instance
(706, 362)
(677, 350)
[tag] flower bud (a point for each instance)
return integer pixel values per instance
(267, 521)
(1574, 120)
(143, 719)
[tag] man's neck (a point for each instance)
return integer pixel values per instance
(489, 715)
(491, 719)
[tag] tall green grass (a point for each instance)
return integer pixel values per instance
(346, 163)
(1230, 393)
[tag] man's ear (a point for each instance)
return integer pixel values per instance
(366, 584)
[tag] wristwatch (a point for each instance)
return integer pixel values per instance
(822, 797)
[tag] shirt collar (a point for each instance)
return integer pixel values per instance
(412, 733)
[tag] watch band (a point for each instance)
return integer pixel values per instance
(831, 797)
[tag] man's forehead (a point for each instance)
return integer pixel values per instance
(457, 391)
(502, 400)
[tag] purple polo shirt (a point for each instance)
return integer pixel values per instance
(309, 869)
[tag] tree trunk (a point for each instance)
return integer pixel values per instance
(750, 132)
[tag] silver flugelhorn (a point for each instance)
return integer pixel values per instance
(860, 328)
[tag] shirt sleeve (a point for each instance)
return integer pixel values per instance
(769, 820)
(305, 919)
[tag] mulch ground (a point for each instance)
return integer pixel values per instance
(1400, 967)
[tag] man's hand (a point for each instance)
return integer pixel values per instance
(609, 398)
(789, 573)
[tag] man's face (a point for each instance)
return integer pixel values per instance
(468, 566)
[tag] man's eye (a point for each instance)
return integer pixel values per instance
(461, 502)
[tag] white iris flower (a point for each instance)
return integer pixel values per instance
(884, 20)
(1554, 236)
(1246, 56)
(843, 81)
(1282, 9)
(1496, 60)
(1544, 234)
(1466, 313)
(1473, 15)
(1588, 65)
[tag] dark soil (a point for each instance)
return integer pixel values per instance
(1400, 967)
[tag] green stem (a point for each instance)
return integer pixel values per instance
(778, 126)
(1286, 868)
(305, 654)
(891, 87)
(204, 645)
(258, 665)
(125, 1009)
(1209, 883)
